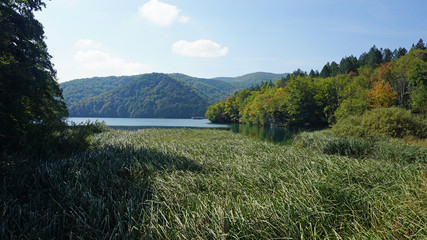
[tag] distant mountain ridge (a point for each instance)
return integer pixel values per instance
(153, 95)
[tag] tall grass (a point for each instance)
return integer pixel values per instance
(379, 148)
(211, 184)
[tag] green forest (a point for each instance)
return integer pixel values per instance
(378, 79)
(152, 95)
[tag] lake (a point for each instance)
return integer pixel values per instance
(271, 134)
(138, 123)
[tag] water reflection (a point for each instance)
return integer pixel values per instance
(271, 134)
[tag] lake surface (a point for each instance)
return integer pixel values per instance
(138, 123)
(270, 134)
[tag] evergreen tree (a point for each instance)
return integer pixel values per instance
(299, 73)
(335, 69)
(313, 74)
(400, 52)
(387, 55)
(326, 71)
(372, 59)
(419, 45)
(349, 64)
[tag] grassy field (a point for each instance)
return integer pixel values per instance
(215, 184)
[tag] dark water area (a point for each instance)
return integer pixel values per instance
(271, 134)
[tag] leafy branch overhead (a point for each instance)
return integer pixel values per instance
(29, 93)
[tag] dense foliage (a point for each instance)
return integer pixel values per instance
(30, 98)
(392, 122)
(378, 79)
(86, 97)
(149, 95)
(214, 184)
(79, 89)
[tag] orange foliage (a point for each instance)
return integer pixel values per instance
(382, 94)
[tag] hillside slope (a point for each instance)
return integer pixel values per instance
(153, 95)
(211, 90)
(150, 95)
(76, 90)
(251, 79)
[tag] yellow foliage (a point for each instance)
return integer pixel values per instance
(381, 95)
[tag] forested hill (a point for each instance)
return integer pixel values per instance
(153, 95)
(252, 79)
(149, 95)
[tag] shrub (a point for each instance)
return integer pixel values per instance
(58, 141)
(352, 126)
(394, 122)
(324, 142)
(377, 148)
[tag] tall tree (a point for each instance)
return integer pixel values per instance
(29, 94)
(326, 71)
(381, 95)
(372, 59)
(335, 69)
(314, 74)
(387, 55)
(419, 45)
(400, 52)
(349, 64)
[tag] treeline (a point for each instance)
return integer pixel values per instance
(377, 79)
(153, 95)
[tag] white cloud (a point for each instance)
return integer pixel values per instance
(200, 48)
(184, 19)
(93, 57)
(161, 14)
(88, 44)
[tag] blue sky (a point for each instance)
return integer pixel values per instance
(203, 38)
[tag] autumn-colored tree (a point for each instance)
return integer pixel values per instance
(385, 72)
(381, 95)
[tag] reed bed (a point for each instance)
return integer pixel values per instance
(214, 184)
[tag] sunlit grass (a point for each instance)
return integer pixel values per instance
(213, 184)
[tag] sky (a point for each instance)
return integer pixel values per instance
(221, 38)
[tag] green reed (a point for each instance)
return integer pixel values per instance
(213, 184)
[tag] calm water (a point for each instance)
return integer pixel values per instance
(271, 134)
(137, 123)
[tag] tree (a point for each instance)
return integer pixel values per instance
(280, 82)
(335, 69)
(30, 97)
(299, 73)
(387, 55)
(301, 105)
(400, 52)
(372, 59)
(326, 71)
(215, 113)
(349, 64)
(382, 94)
(419, 45)
(314, 74)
